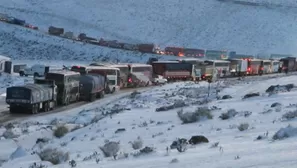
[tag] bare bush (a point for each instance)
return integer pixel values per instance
(175, 160)
(144, 151)
(198, 115)
(181, 145)
(243, 126)
(260, 137)
(214, 145)
(137, 144)
(290, 115)
(54, 156)
(9, 126)
(72, 163)
(110, 149)
(283, 133)
(94, 155)
(8, 134)
(60, 131)
(176, 104)
(147, 150)
(134, 94)
(35, 165)
(230, 114)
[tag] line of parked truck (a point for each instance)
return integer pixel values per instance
(88, 82)
(56, 88)
(144, 48)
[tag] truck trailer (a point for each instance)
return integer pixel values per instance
(92, 86)
(32, 98)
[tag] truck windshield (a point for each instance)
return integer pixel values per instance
(112, 82)
(58, 78)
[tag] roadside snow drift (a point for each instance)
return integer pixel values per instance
(139, 130)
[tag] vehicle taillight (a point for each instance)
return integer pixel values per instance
(130, 80)
(249, 69)
(203, 76)
(262, 68)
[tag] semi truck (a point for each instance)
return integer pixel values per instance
(33, 97)
(92, 86)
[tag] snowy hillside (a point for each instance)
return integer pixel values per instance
(24, 44)
(153, 119)
(264, 26)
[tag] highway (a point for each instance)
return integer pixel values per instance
(5, 116)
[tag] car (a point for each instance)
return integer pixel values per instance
(36, 70)
(159, 79)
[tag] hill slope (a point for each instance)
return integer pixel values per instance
(24, 44)
(122, 118)
(209, 24)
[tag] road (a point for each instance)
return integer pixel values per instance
(5, 116)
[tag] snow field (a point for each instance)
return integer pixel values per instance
(159, 129)
(219, 25)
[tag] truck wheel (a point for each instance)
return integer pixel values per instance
(36, 75)
(113, 90)
(77, 98)
(34, 109)
(21, 73)
(92, 97)
(46, 106)
(12, 109)
(101, 94)
(66, 102)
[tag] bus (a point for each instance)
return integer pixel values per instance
(112, 74)
(275, 66)
(255, 67)
(267, 66)
(135, 75)
(220, 68)
(132, 75)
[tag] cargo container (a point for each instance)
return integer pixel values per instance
(55, 31)
(32, 98)
(173, 70)
(92, 87)
(146, 48)
(68, 85)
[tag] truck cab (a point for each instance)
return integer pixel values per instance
(49, 83)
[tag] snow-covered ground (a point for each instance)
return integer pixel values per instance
(144, 115)
(24, 45)
(209, 24)
(12, 80)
